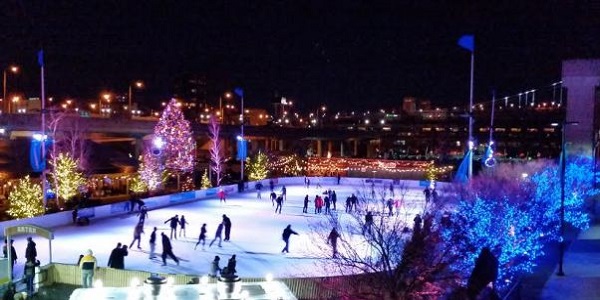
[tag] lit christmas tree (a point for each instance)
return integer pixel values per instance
(257, 167)
(137, 184)
(205, 181)
(151, 170)
(175, 131)
(66, 176)
(25, 200)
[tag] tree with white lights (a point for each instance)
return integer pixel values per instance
(66, 176)
(257, 166)
(217, 159)
(25, 200)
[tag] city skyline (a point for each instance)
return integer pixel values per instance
(337, 54)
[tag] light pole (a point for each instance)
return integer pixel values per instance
(105, 96)
(227, 96)
(138, 84)
(12, 69)
(240, 93)
(563, 169)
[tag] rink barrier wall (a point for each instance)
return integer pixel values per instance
(302, 288)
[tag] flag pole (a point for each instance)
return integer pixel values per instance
(43, 111)
(471, 142)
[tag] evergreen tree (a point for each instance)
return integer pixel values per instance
(66, 176)
(137, 184)
(25, 200)
(175, 131)
(257, 166)
(205, 181)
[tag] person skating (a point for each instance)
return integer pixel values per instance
(332, 240)
(173, 224)
(279, 202)
(137, 235)
(87, 266)
(368, 223)
(287, 232)
(333, 199)
(202, 237)
(30, 251)
(167, 249)
(273, 197)
(283, 193)
(214, 267)
(227, 226)
(217, 235)
(258, 187)
(182, 223)
(143, 214)
(221, 195)
(390, 205)
(305, 207)
(271, 185)
(153, 244)
(327, 205)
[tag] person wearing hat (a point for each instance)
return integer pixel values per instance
(87, 266)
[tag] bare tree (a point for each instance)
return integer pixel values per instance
(216, 151)
(387, 257)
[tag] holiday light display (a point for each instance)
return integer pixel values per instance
(151, 170)
(288, 165)
(216, 150)
(137, 184)
(66, 176)
(317, 166)
(257, 166)
(175, 132)
(25, 200)
(205, 182)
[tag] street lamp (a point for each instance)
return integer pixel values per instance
(106, 97)
(12, 69)
(137, 84)
(563, 168)
(227, 96)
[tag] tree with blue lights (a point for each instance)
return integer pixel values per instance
(515, 216)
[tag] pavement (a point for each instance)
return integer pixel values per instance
(581, 267)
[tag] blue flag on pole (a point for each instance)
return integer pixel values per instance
(40, 56)
(238, 91)
(467, 41)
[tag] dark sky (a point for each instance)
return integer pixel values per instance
(347, 54)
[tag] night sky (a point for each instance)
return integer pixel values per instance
(347, 54)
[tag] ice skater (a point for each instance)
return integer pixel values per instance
(279, 201)
(173, 224)
(137, 235)
(258, 187)
(202, 237)
(305, 207)
(283, 193)
(273, 197)
(227, 226)
(222, 196)
(218, 234)
(332, 240)
(167, 250)
(182, 223)
(143, 214)
(214, 267)
(287, 232)
(153, 243)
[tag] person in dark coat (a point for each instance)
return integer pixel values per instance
(271, 185)
(28, 275)
(368, 223)
(333, 199)
(152, 243)
(332, 240)
(202, 237)
(258, 187)
(230, 270)
(143, 214)
(283, 193)
(13, 252)
(279, 202)
(173, 224)
(227, 226)
(217, 235)
(167, 250)
(305, 207)
(182, 223)
(327, 204)
(287, 232)
(116, 260)
(273, 197)
(30, 251)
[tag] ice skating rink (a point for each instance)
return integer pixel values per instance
(255, 235)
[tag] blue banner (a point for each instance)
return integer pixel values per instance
(242, 149)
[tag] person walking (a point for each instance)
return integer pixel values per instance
(227, 226)
(30, 251)
(217, 235)
(279, 202)
(13, 253)
(202, 237)
(173, 224)
(305, 207)
(28, 275)
(153, 243)
(332, 240)
(287, 232)
(182, 223)
(137, 235)
(87, 266)
(167, 249)
(390, 205)
(214, 267)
